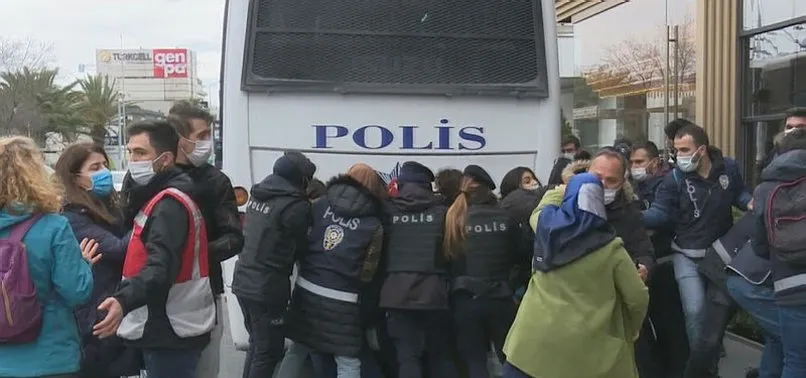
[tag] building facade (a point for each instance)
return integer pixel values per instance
(152, 79)
(733, 66)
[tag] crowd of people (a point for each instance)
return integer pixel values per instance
(626, 263)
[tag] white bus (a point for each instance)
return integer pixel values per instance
(446, 83)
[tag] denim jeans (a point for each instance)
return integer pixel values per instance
(325, 365)
(793, 331)
(171, 363)
(758, 301)
(692, 294)
(293, 361)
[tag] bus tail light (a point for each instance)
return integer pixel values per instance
(241, 197)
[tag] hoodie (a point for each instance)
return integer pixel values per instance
(278, 216)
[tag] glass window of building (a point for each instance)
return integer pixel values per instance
(631, 75)
(773, 72)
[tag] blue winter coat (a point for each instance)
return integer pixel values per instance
(63, 280)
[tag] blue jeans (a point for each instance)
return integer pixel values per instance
(793, 329)
(297, 355)
(692, 293)
(758, 301)
(171, 363)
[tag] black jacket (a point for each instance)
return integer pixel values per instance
(217, 202)
(624, 214)
(278, 217)
(520, 204)
(101, 357)
(323, 323)
(164, 236)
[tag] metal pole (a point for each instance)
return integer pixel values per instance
(677, 71)
(120, 131)
(666, 80)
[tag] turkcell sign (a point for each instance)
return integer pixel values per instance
(443, 137)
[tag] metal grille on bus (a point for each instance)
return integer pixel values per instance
(397, 42)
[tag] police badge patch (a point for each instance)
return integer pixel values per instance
(334, 234)
(724, 181)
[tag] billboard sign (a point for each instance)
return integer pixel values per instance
(170, 63)
(127, 56)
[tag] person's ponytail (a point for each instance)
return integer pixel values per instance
(456, 221)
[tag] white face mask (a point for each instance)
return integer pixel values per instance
(201, 152)
(638, 173)
(569, 155)
(787, 131)
(687, 163)
(610, 195)
(142, 171)
(533, 186)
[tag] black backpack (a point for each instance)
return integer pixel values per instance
(785, 218)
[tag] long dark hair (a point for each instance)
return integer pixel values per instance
(512, 180)
(456, 219)
(67, 169)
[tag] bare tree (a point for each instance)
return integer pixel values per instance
(638, 65)
(17, 53)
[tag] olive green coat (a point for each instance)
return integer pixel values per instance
(580, 321)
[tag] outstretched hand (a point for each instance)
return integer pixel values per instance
(89, 250)
(114, 315)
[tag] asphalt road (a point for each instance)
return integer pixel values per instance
(739, 357)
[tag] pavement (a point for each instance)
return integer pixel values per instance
(739, 356)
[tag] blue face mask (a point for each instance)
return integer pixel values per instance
(102, 183)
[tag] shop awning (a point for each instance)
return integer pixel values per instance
(573, 11)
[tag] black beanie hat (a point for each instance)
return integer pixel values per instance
(479, 175)
(414, 172)
(295, 167)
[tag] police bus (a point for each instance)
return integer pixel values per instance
(446, 83)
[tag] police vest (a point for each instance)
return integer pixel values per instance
(488, 248)
(190, 307)
(336, 252)
(415, 241)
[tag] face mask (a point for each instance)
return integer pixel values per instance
(201, 152)
(610, 195)
(102, 183)
(638, 173)
(142, 171)
(569, 155)
(534, 186)
(787, 131)
(688, 163)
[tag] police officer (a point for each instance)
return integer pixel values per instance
(415, 290)
(342, 258)
(481, 240)
(665, 309)
(278, 216)
(697, 199)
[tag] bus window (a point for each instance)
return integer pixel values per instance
(469, 47)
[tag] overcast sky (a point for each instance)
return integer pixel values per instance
(76, 28)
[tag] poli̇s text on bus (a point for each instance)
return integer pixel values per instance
(405, 137)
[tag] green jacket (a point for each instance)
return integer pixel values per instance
(580, 321)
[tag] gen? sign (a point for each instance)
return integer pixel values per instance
(170, 63)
